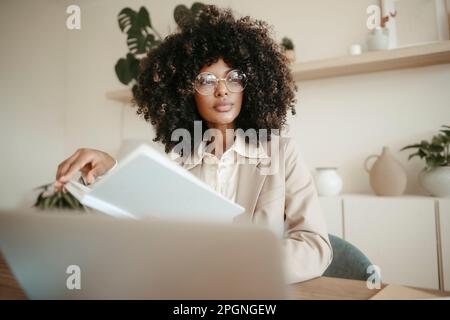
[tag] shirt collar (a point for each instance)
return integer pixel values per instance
(251, 150)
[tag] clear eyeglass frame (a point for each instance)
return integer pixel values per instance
(235, 81)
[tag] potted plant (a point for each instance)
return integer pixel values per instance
(435, 177)
(47, 199)
(287, 46)
(379, 37)
(142, 37)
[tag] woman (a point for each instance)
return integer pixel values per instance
(227, 80)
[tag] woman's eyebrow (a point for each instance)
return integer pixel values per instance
(226, 72)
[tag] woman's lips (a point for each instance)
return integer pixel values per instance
(223, 107)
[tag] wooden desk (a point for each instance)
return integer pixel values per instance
(9, 288)
(322, 288)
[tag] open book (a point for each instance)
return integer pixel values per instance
(147, 184)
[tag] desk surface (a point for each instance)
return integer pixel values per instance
(322, 288)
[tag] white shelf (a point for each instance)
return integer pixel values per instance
(401, 58)
(122, 95)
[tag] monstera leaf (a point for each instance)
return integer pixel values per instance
(127, 69)
(184, 16)
(137, 25)
(130, 20)
(141, 37)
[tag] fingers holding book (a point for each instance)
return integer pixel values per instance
(90, 162)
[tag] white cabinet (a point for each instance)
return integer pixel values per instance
(332, 210)
(444, 215)
(397, 234)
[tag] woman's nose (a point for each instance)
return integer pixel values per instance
(221, 88)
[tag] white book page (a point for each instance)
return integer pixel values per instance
(146, 184)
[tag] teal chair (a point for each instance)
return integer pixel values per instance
(348, 261)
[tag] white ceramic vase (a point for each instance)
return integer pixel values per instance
(436, 181)
(328, 182)
(378, 39)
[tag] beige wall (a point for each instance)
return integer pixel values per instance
(32, 97)
(53, 83)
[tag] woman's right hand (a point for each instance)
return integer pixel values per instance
(92, 163)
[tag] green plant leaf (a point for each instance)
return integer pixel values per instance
(184, 16)
(134, 90)
(411, 146)
(53, 199)
(128, 20)
(47, 202)
(197, 8)
(143, 20)
(436, 148)
(123, 71)
(137, 42)
(134, 68)
(68, 199)
(446, 132)
(38, 200)
(287, 43)
(422, 153)
(436, 139)
(180, 14)
(413, 155)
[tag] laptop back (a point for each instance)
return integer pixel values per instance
(69, 256)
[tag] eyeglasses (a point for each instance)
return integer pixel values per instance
(206, 82)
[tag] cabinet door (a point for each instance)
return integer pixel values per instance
(444, 213)
(398, 235)
(332, 210)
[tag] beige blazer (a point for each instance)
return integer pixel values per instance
(280, 193)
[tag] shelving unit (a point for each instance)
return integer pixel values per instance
(401, 58)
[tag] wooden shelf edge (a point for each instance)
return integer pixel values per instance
(122, 95)
(401, 58)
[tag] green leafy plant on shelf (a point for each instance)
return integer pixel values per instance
(287, 47)
(435, 152)
(287, 44)
(142, 37)
(48, 199)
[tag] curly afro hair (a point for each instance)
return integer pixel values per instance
(165, 89)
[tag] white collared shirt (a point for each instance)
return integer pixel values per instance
(222, 174)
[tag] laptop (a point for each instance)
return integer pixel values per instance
(60, 255)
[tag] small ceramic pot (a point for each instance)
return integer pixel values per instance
(436, 181)
(328, 182)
